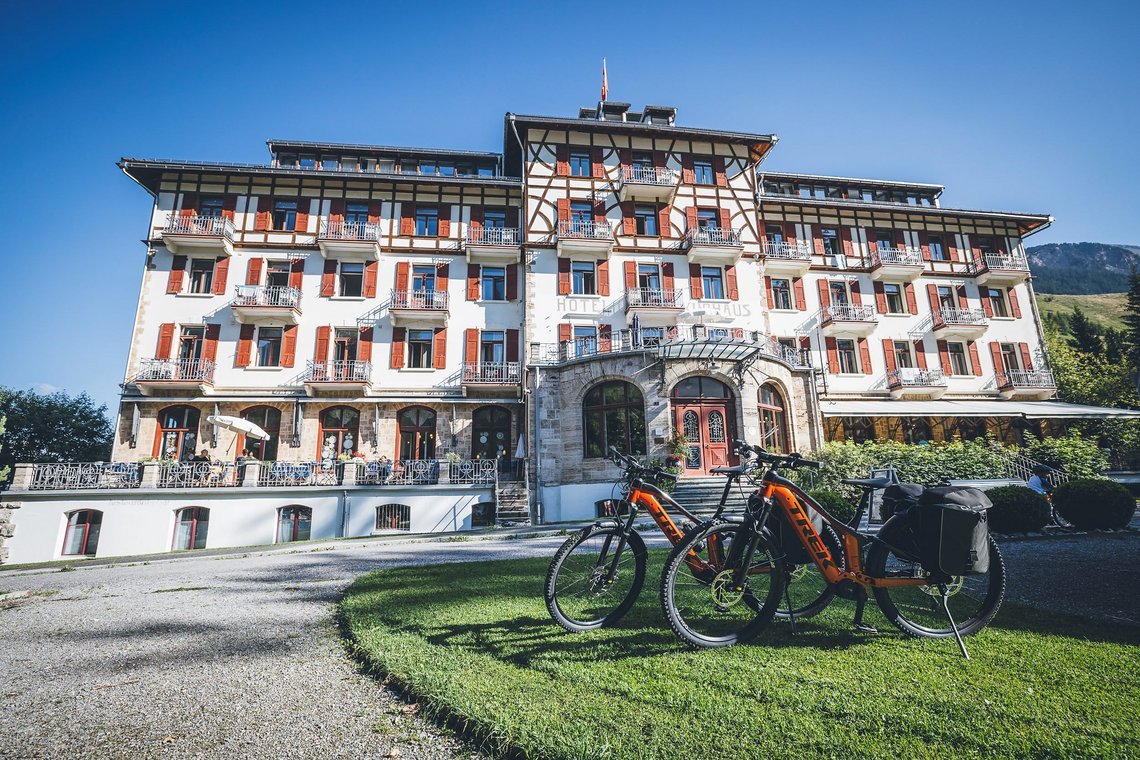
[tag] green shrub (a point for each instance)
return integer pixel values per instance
(1094, 503)
(1017, 509)
(665, 484)
(1079, 457)
(836, 504)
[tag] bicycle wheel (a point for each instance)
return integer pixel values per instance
(704, 608)
(809, 592)
(578, 594)
(917, 610)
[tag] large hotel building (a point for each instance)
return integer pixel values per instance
(471, 331)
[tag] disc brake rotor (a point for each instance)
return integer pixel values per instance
(952, 588)
(724, 591)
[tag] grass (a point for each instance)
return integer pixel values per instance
(473, 642)
(1106, 309)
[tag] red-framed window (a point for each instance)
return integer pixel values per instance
(190, 527)
(81, 539)
(267, 418)
(294, 523)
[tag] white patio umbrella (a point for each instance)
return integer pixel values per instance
(520, 450)
(237, 425)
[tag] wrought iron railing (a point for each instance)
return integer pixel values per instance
(726, 236)
(904, 255)
(847, 313)
(326, 473)
(413, 472)
(63, 476)
(175, 370)
(1038, 378)
(650, 339)
(429, 300)
(492, 372)
(784, 249)
(280, 296)
(505, 236)
(344, 371)
(656, 298)
(206, 226)
(648, 175)
(199, 475)
(999, 261)
(910, 377)
(946, 317)
(339, 230)
(583, 230)
(473, 472)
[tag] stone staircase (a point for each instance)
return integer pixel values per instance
(702, 495)
(512, 503)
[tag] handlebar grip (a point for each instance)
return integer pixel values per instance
(811, 463)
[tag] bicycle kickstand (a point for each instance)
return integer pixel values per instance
(946, 606)
(860, 605)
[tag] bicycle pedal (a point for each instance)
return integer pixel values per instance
(864, 628)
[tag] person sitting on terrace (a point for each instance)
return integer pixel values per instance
(202, 457)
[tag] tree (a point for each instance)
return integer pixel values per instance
(53, 427)
(1132, 319)
(1085, 337)
(5, 469)
(1115, 347)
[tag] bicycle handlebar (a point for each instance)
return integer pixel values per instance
(792, 460)
(636, 468)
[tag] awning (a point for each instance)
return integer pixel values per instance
(1033, 410)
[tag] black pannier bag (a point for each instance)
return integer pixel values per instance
(787, 540)
(900, 531)
(953, 530)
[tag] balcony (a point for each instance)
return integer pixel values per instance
(1000, 269)
(266, 303)
(488, 374)
(345, 375)
(647, 183)
(908, 382)
(713, 245)
(845, 321)
(958, 324)
(419, 307)
(590, 239)
(199, 234)
(1035, 385)
(648, 303)
(175, 374)
(493, 245)
(787, 258)
(896, 264)
(353, 241)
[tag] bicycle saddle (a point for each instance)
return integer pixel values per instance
(868, 482)
(737, 470)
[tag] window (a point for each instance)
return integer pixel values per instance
(946, 300)
(987, 244)
(902, 355)
(211, 206)
(859, 429)
(832, 246)
(491, 434)
(494, 283)
(712, 282)
(267, 418)
(344, 349)
(580, 165)
(427, 167)
(708, 219)
(191, 527)
(937, 252)
(649, 277)
(493, 347)
(703, 171)
(285, 215)
(269, 346)
(420, 349)
(581, 213)
(287, 160)
(409, 166)
(356, 213)
(82, 535)
(308, 161)
(894, 294)
(781, 294)
(958, 364)
(884, 239)
(584, 342)
(773, 420)
(393, 517)
(423, 278)
(916, 430)
(351, 279)
(642, 159)
(651, 337)
(277, 274)
(494, 219)
(614, 415)
(774, 234)
(645, 217)
(848, 362)
(417, 433)
(1010, 357)
(201, 275)
(997, 302)
(446, 169)
(190, 343)
(177, 433)
(700, 387)
(330, 163)
(294, 524)
(838, 293)
(583, 279)
(427, 221)
(340, 430)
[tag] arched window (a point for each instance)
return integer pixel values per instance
(773, 420)
(294, 523)
(177, 433)
(393, 517)
(858, 429)
(491, 433)
(700, 387)
(417, 433)
(614, 415)
(267, 418)
(82, 536)
(340, 430)
(191, 527)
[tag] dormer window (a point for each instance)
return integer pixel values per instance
(330, 163)
(307, 160)
(287, 160)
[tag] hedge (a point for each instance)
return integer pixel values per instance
(1017, 509)
(1092, 503)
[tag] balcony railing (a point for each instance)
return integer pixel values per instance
(496, 373)
(783, 249)
(199, 475)
(175, 370)
(908, 377)
(415, 472)
(429, 300)
(1041, 378)
(847, 313)
(648, 175)
(334, 230)
(654, 298)
(651, 339)
(955, 316)
(280, 296)
(726, 236)
(901, 256)
(206, 226)
(501, 236)
(1000, 261)
(344, 371)
(583, 230)
(326, 473)
(84, 475)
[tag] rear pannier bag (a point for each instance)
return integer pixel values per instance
(953, 530)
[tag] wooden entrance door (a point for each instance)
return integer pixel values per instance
(704, 410)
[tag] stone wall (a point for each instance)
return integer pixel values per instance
(7, 527)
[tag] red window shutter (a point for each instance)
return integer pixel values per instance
(889, 353)
(725, 218)
(805, 343)
(730, 283)
(664, 224)
(336, 211)
(824, 294)
(911, 301)
(691, 221)
(564, 277)
(512, 345)
(474, 275)
(1014, 306)
(976, 251)
(221, 274)
(562, 161)
(987, 306)
(328, 279)
(1026, 357)
(512, 282)
(599, 210)
(688, 176)
(768, 290)
(603, 277)
(932, 296)
(441, 274)
(695, 284)
(177, 271)
(924, 243)
(321, 347)
(189, 204)
(944, 357)
(402, 269)
(865, 356)
(975, 360)
(397, 357)
(371, 273)
(880, 298)
(790, 232)
(253, 271)
(210, 344)
(565, 331)
(374, 211)
(832, 355)
(296, 273)
(364, 345)
(605, 338)
(476, 224)
(660, 159)
(872, 243)
(995, 357)
(165, 340)
(244, 346)
(625, 158)
(718, 171)
(667, 280)
(801, 299)
(628, 220)
(817, 239)
(439, 346)
(951, 246)
(303, 206)
(471, 345)
(407, 218)
(229, 206)
(513, 217)
(289, 346)
(630, 275)
(856, 294)
(963, 302)
(920, 354)
(264, 212)
(845, 237)
(445, 221)
(563, 210)
(597, 168)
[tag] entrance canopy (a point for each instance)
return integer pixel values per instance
(1033, 410)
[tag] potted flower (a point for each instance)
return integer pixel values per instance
(678, 447)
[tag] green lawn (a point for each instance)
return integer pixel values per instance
(1106, 309)
(474, 642)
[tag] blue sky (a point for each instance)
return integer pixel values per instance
(1014, 106)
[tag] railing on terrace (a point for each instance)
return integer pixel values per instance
(492, 372)
(650, 339)
(992, 261)
(280, 296)
(909, 377)
(334, 230)
(905, 255)
(1039, 378)
(343, 371)
(584, 230)
(847, 313)
(504, 236)
(944, 317)
(648, 175)
(326, 473)
(414, 472)
(783, 249)
(62, 476)
(654, 298)
(206, 226)
(430, 300)
(172, 370)
(199, 475)
(726, 236)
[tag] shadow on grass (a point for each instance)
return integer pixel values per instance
(1021, 619)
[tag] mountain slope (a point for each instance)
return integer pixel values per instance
(1105, 309)
(1082, 268)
